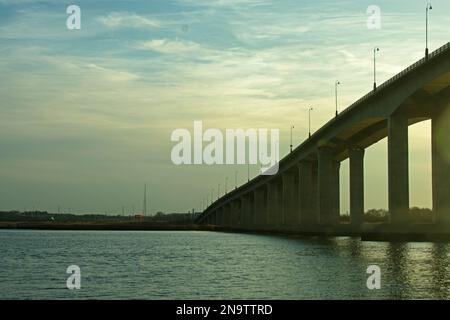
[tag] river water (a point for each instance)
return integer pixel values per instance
(212, 265)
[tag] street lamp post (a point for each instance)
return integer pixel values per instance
(336, 95)
(235, 179)
(309, 121)
(375, 67)
(226, 183)
(292, 127)
(429, 7)
(218, 191)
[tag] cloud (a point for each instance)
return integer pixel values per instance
(126, 19)
(224, 3)
(168, 46)
(112, 75)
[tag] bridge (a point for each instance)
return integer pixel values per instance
(304, 195)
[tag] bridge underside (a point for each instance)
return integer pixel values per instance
(304, 195)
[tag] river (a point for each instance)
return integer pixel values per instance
(213, 265)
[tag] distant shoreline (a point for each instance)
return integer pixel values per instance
(103, 225)
(369, 235)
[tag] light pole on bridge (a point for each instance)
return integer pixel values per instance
(428, 8)
(226, 183)
(336, 94)
(292, 127)
(375, 67)
(309, 121)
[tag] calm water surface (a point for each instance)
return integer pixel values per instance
(208, 265)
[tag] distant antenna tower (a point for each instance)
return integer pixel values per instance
(145, 199)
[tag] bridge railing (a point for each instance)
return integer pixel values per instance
(398, 76)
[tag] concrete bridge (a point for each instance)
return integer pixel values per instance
(304, 195)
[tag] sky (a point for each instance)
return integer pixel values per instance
(86, 115)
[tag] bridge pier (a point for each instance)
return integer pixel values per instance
(306, 196)
(336, 205)
(315, 192)
(398, 173)
(280, 214)
(213, 218)
(227, 215)
(327, 187)
(272, 204)
(290, 212)
(356, 187)
(244, 213)
(236, 213)
(221, 220)
(440, 142)
(247, 211)
(260, 198)
(252, 219)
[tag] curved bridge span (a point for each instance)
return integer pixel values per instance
(304, 195)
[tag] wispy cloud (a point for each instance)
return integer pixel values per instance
(224, 3)
(126, 19)
(169, 46)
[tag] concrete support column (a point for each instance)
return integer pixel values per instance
(247, 211)
(236, 214)
(214, 218)
(326, 189)
(260, 214)
(315, 191)
(244, 212)
(356, 187)
(220, 221)
(217, 217)
(306, 196)
(290, 212)
(336, 205)
(251, 211)
(227, 215)
(272, 204)
(280, 214)
(440, 137)
(398, 174)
